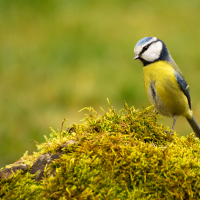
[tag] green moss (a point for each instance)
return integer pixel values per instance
(124, 155)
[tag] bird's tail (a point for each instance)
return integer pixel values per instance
(194, 126)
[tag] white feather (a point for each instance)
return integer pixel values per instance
(139, 48)
(153, 52)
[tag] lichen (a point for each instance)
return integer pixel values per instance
(124, 155)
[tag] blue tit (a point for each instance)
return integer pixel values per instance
(164, 82)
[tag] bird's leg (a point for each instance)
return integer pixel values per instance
(175, 117)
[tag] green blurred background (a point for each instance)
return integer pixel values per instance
(57, 57)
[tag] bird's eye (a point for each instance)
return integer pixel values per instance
(146, 47)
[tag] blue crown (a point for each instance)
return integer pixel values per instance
(143, 41)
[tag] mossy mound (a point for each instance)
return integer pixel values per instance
(124, 155)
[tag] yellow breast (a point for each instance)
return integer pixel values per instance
(169, 99)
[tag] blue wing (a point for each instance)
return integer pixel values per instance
(184, 87)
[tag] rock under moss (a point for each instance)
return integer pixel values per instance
(124, 155)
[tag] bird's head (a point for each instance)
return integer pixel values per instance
(150, 49)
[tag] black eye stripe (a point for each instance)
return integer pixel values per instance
(145, 48)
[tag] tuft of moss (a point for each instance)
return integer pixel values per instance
(124, 155)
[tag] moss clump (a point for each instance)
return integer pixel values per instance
(124, 155)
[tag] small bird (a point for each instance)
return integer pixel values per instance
(164, 82)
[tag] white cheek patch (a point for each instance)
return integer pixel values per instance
(153, 52)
